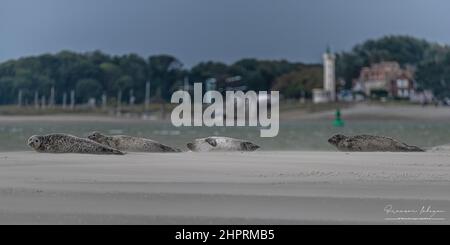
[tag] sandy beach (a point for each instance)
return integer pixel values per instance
(263, 187)
(225, 188)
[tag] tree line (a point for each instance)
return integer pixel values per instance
(431, 61)
(93, 74)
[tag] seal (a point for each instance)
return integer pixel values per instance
(441, 148)
(130, 143)
(369, 143)
(215, 143)
(66, 143)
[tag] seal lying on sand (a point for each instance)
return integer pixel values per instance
(65, 143)
(369, 143)
(130, 143)
(221, 144)
(441, 148)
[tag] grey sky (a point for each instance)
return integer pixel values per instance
(222, 30)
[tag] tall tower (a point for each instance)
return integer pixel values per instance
(329, 83)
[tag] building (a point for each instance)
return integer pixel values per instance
(402, 87)
(385, 79)
(328, 92)
(329, 80)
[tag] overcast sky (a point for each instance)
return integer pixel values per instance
(221, 30)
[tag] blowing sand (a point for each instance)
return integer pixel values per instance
(225, 188)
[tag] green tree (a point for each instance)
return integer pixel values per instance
(88, 88)
(164, 72)
(123, 83)
(7, 90)
(299, 82)
(261, 74)
(135, 67)
(435, 75)
(110, 73)
(405, 50)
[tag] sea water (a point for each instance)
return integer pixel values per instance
(293, 135)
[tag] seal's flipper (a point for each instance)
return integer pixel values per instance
(117, 152)
(211, 141)
(166, 148)
(249, 146)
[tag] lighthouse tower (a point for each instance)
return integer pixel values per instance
(329, 83)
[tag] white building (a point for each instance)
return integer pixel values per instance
(329, 81)
(328, 93)
(320, 96)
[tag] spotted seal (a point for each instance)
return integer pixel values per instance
(369, 143)
(441, 148)
(214, 143)
(130, 143)
(66, 143)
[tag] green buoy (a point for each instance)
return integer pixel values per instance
(337, 120)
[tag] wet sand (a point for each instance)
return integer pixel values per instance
(360, 111)
(224, 188)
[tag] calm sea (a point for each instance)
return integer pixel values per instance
(308, 135)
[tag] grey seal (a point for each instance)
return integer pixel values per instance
(370, 143)
(130, 143)
(441, 148)
(215, 143)
(66, 143)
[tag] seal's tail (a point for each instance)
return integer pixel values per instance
(117, 152)
(165, 148)
(415, 148)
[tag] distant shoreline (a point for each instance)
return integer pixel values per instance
(377, 112)
(363, 111)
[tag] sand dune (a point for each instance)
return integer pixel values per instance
(223, 188)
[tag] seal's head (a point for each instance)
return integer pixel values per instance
(35, 141)
(336, 139)
(96, 136)
(203, 144)
(190, 146)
